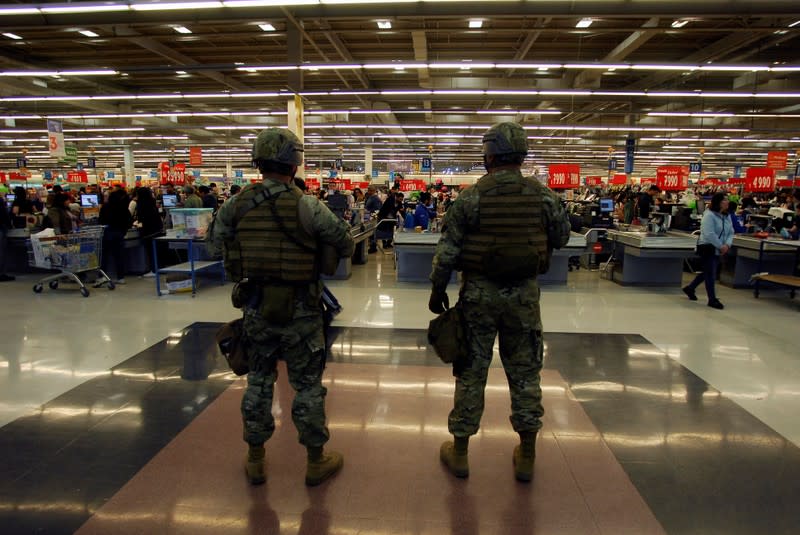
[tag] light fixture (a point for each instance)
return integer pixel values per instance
(795, 23)
(680, 23)
(475, 23)
(267, 27)
(181, 29)
(88, 33)
(175, 5)
(12, 36)
(584, 23)
(180, 72)
(385, 24)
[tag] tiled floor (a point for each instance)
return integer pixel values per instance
(681, 416)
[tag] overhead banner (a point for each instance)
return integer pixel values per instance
(790, 183)
(759, 179)
(312, 184)
(619, 180)
(672, 178)
(339, 184)
(777, 160)
(77, 177)
(412, 185)
(3, 178)
(195, 156)
(564, 176)
(163, 169)
(594, 181)
(55, 138)
(179, 174)
(649, 180)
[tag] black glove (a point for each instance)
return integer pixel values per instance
(439, 302)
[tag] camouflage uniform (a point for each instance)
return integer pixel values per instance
(300, 343)
(490, 308)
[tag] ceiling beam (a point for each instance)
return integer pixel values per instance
(529, 41)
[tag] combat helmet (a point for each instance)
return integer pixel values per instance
(505, 138)
(277, 145)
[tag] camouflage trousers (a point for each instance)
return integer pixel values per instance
(301, 345)
(512, 313)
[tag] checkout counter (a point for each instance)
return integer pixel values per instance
(559, 261)
(651, 257)
(360, 233)
(750, 255)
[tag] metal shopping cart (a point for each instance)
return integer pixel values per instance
(71, 254)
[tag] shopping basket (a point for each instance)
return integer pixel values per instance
(70, 254)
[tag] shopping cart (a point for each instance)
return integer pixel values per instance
(71, 254)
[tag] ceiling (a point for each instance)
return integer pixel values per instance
(721, 77)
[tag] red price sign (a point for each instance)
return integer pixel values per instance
(3, 178)
(672, 178)
(195, 156)
(594, 181)
(759, 179)
(788, 183)
(77, 176)
(163, 168)
(412, 185)
(312, 184)
(564, 176)
(777, 160)
(651, 180)
(179, 174)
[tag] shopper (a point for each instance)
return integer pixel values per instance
(5, 226)
(236, 188)
(387, 215)
(21, 204)
(716, 237)
(645, 204)
(372, 204)
(191, 200)
(421, 214)
(149, 223)
(282, 301)
(499, 293)
(738, 228)
(209, 199)
(117, 218)
(59, 216)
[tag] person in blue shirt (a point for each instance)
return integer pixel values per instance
(738, 228)
(421, 214)
(716, 238)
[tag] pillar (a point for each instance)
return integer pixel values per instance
(368, 162)
(129, 169)
(294, 56)
(295, 118)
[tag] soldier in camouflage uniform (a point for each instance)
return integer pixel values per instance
(271, 235)
(500, 233)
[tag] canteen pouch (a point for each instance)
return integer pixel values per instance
(447, 336)
(277, 304)
(506, 263)
(231, 343)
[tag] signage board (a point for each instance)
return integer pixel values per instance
(777, 160)
(564, 176)
(594, 181)
(312, 184)
(91, 163)
(70, 156)
(759, 179)
(672, 178)
(77, 177)
(619, 179)
(695, 167)
(630, 150)
(612, 164)
(55, 139)
(426, 165)
(195, 156)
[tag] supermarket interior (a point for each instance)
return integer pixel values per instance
(127, 125)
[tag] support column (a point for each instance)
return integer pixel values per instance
(368, 162)
(129, 169)
(294, 56)
(295, 118)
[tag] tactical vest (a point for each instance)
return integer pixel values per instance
(510, 242)
(261, 249)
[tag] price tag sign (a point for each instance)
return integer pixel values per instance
(195, 156)
(759, 179)
(55, 138)
(564, 176)
(777, 160)
(672, 178)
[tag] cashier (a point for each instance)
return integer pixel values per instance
(645, 204)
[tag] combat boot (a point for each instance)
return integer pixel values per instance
(454, 455)
(321, 465)
(524, 456)
(254, 466)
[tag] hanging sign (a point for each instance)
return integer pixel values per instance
(412, 185)
(77, 176)
(737, 181)
(619, 180)
(163, 169)
(15, 176)
(55, 138)
(91, 163)
(564, 176)
(195, 156)
(179, 174)
(110, 174)
(790, 183)
(153, 174)
(3, 178)
(22, 163)
(759, 179)
(594, 181)
(238, 173)
(777, 160)
(339, 184)
(695, 167)
(648, 181)
(672, 178)
(312, 184)
(612, 164)
(426, 165)
(630, 150)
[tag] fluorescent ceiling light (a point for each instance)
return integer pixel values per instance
(384, 25)
(584, 23)
(175, 5)
(475, 23)
(267, 27)
(181, 29)
(268, 3)
(58, 73)
(795, 23)
(12, 36)
(19, 11)
(180, 72)
(680, 23)
(88, 33)
(84, 8)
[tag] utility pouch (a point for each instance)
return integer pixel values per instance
(231, 342)
(447, 335)
(242, 294)
(277, 304)
(505, 263)
(329, 259)
(232, 260)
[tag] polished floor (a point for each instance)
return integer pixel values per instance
(662, 416)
